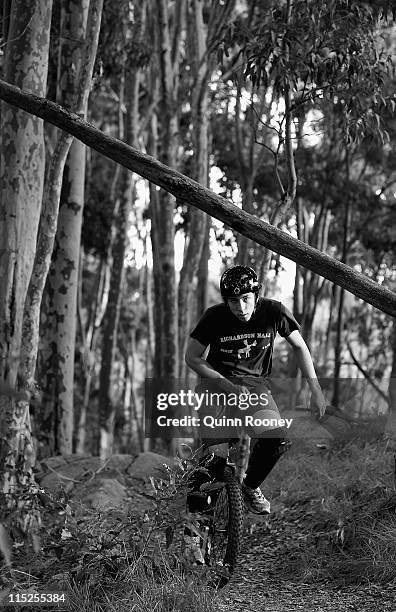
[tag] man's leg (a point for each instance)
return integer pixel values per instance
(268, 448)
(263, 457)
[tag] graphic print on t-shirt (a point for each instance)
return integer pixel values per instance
(245, 346)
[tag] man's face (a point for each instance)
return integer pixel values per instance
(242, 306)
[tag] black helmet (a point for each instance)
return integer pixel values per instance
(238, 280)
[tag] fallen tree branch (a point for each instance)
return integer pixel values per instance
(195, 194)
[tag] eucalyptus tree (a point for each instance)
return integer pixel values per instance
(206, 22)
(79, 33)
(26, 39)
(133, 59)
(29, 236)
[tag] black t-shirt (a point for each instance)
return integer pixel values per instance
(239, 348)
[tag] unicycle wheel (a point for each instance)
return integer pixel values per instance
(226, 529)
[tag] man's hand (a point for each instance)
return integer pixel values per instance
(229, 387)
(304, 360)
(317, 403)
(241, 390)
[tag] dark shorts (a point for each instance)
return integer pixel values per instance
(221, 409)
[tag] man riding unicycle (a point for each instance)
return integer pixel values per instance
(240, 334)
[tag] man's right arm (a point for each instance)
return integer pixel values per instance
(194, 360)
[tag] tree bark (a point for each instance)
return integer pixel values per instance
(90, 334)
(155, 296)
(198, 219)
(248, 164)
(80, 32)
(340, 320)
(133, 427)
(22, 181)
(338, 348)
(203, 272)
(162, 206)
(150, 311)
(391, 425)
(197, 195)
(112, 315)
(327, 342)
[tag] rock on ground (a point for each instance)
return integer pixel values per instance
(102, 484)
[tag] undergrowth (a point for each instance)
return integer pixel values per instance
(127, 560)
(123, 560)
(349, 502)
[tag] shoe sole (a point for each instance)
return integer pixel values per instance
(250, 509)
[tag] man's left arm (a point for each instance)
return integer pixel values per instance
(305, 363)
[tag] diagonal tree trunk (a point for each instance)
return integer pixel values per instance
(197, 195)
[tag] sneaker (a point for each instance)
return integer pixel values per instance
(255, 500)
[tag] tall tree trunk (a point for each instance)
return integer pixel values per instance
(133, 430)
(294, 372)
(90, 334)
(391, 424)
(198, 219)
(154, 212)
(339, 335)
(248, 167)
(203, 272)
(62, 284)
(313, 285)
(22, 181)
(326, 344)
(111, 319)
(392, 381)
(128, 130)
(162, 203)
(338, 348)
(95, 321)
(150, 311)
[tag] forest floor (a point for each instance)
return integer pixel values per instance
(274, 575)
(328, 546)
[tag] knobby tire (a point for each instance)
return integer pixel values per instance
(231, 495)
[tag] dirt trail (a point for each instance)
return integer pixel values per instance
(273, 576)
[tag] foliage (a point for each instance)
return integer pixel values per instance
(119, 47)
(333, 519)
(334, 58)
(141, 552)
(324, 51)
(344, 495)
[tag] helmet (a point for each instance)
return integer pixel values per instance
(238, 280)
